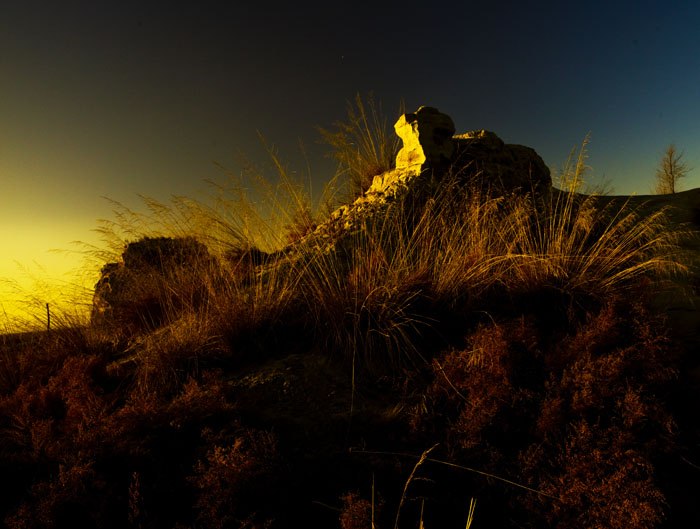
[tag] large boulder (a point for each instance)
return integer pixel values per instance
(152, 276)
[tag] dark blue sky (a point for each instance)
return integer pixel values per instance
(119, 98)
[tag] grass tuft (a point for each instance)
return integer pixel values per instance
(363, 145)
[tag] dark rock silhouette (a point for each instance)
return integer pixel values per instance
(134, 290)
(500, 167)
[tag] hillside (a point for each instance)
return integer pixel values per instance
(682, 304)
(460, 344)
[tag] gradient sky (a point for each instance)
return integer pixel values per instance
(120, 98)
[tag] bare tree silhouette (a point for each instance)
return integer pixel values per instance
(671, 169)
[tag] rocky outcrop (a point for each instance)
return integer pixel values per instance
(135, 286)
(431, 150)
(136, 289)
(429, 154)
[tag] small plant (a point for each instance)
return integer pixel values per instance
(607, 382)
(357, 512)
(166, 358)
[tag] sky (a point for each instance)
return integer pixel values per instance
(116, 99)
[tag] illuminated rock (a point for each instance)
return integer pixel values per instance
(427, 140)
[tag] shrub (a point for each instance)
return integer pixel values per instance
(227, 475)
(603, 424)
(53, 433)
(198, 400)
(357, 512)
(487, 388)
(46, 418)
(581, 420)
(58, 502)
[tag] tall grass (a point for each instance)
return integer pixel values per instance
(363, 145)
(589, 248)
(374, 294)
(379, 287)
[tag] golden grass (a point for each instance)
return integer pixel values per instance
(370, 294)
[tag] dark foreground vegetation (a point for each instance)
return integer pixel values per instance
(464, 357)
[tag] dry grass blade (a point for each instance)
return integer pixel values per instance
(423, 458)
(470, 517)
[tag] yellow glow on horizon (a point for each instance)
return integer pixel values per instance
(32, 274)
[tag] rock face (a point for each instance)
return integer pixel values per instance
(134, 290)
(499, 167)
(427, 140)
